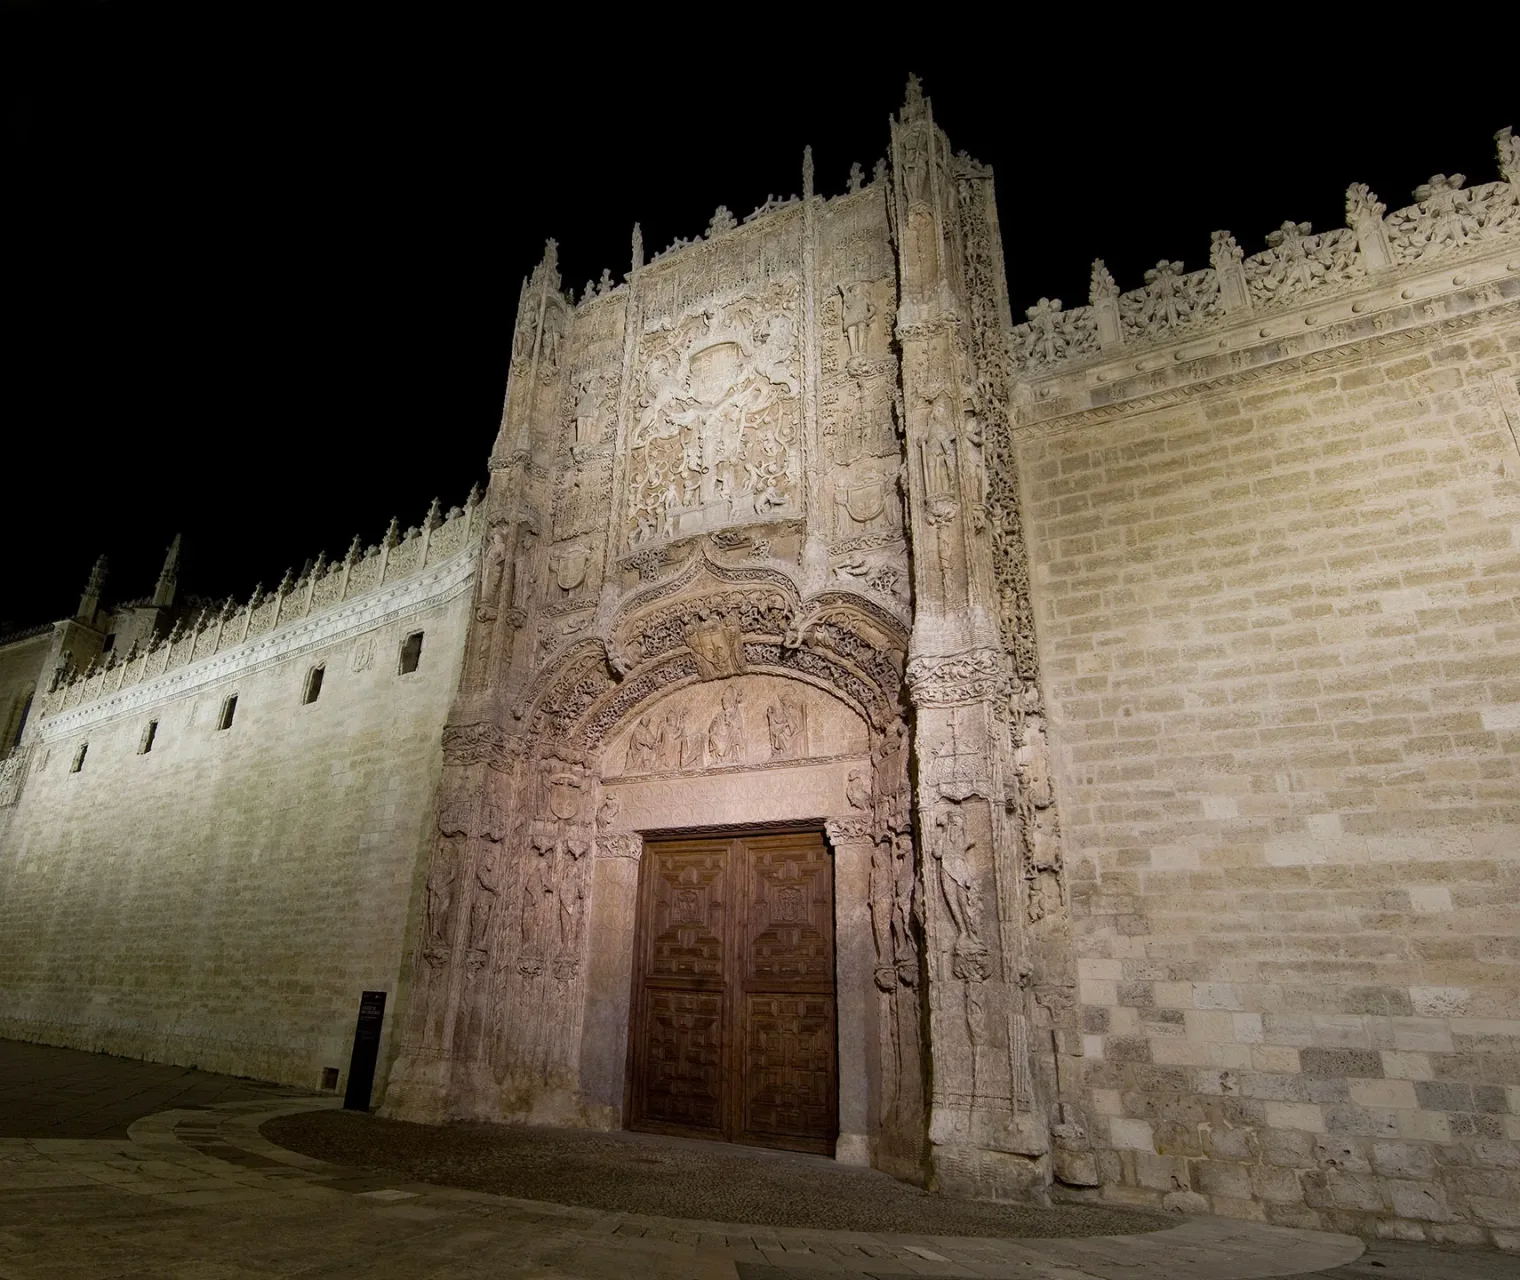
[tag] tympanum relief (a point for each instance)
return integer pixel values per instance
(753, 722)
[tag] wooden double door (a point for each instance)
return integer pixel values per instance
(733, 1021)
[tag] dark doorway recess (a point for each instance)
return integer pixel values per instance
(732, 1034)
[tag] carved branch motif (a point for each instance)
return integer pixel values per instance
(482, 743)
(959, 679)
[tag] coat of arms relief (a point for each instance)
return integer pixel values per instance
(715, 438)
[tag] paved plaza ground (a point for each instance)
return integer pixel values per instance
(125, 1170)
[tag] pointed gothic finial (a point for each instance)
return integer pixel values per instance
(913, 99)
(1102, 286)
(355, 550)
(638, 247)
(807, 173)
(285, 582)
(89, 601)
(393, 530)
(473, 500)
(856, 180)
(1509, 154)
(168, 576)
(551, 255)
(253, 600)
(434, 518)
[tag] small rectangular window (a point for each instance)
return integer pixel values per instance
(329, 1078)
(149, 734)
(229, 709)
(411, 653)
(79, 758)
(313, 688)
(110, 643)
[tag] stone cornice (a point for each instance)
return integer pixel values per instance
(1405, 313)
(438, 584)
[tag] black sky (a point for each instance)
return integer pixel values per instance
(261, 266)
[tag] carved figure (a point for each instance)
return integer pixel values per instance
(786, 719)
(440, 898)
(607, 813)
(725, 732)
(958, 882)
(588, 407)
(487, 883)
(538, 892)
(672, 735)
(857, 790)
(937, 449)
(857, 312)
(643, 744)
(496, 565)
(1033, 762)
(570, 892)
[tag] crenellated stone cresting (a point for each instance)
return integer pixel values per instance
(320, 587)
(1448, 220)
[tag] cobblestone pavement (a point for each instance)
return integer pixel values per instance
(199, 1194)
(679, 1177)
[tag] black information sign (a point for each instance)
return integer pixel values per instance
(361, 1066)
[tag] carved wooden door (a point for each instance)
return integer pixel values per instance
(732, 1033)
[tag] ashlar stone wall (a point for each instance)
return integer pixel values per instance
(223, 898)
(1278, 622)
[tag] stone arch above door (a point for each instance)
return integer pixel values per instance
(713, 622)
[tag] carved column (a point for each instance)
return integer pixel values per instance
(986, 1135)
(454, 1004)
(862, 1069)
(609, 978)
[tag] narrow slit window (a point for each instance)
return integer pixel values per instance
(411, 652)
(149, 734)
(79, 758)
(313, 688)
(229, 709)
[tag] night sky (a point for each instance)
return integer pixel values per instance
(262, 266)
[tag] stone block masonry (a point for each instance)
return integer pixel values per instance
(1278, 620)
(223, 898)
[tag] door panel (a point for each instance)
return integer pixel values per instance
(733, 1030)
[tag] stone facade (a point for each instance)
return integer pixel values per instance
(1150, 666)
(221, 897)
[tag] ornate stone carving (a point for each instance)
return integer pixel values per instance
(480, 743)
(952, 847)
(958, 679)
(714, 442)
(626, 845)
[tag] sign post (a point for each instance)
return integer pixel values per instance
(361, 1065)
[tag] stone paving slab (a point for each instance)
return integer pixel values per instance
(194, 1192)
(201, 1194)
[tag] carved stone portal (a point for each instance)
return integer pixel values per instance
(724, 494)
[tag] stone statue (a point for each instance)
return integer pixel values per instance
(643, 744)
(857, 312)
(725, 732)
